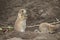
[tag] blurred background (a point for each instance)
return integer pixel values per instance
(38, 11)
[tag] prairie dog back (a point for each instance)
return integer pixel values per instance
(47, 28)
(20, 23)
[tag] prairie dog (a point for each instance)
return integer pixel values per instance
(47, 28)
(20, 24)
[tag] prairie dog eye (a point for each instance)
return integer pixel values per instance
(22, 10)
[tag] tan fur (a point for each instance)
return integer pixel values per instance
(20, 24)
(47, 27)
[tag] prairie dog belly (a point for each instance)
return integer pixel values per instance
(20, 26)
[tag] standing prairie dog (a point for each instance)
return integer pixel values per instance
(47, 28)
(20, 23)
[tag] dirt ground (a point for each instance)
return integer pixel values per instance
(30, 34)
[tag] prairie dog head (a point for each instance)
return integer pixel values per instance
(22, 14)
(22, 11)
